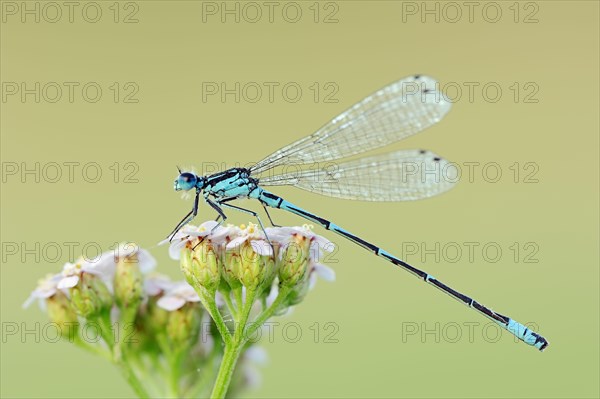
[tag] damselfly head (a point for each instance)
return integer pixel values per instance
(185, 181)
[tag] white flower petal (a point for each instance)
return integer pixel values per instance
(170, 302)
(312, 281)
(199, 231)
(175, 249)
(146, 261)
(103, 266)
(178, 236)
(235, 243)
(46, 292)
(190, 295)
(165, 241)
(208, 225)
(192, 298)
(262, 247)
(154, 285)
(126, 249)
(324, 243)
(325, 272)
(68, 282)
(222, 233)
(30, 300)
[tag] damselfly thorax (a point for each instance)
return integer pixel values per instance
(235, 182)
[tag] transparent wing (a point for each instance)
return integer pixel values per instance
(388, 115)
(396, 176)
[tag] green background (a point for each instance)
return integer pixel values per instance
(170, 52)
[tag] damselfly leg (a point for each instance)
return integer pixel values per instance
(186, 219)
(269, 215)
(248, 211)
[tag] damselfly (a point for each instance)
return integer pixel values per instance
(391, 114)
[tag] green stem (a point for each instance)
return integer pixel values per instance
(132, 379)
(230, 358)
(208, 300)
(104, 324)
(233, 350)
(92, 348)
(244, 314)
(175, 367)
(266, 314)
(119, 349)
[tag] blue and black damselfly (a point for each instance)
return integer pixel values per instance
(391, 114)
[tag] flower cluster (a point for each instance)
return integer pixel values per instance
(257, 274)
(233, 260)
(177, 338)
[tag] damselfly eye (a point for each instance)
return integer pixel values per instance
(185, 181)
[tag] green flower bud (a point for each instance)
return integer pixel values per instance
(298, 293)
(183, 324)
(129, 290)
(255, 269)
(157, 317)
(200, 266)
(294, 269)
(61, 313)
(230, 266)
(250, 271)
(90, 296)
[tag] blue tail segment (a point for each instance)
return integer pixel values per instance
(515, 328)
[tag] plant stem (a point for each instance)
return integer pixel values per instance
(208, 300)
(132, 379)
(174, 363)
(105, 327)
(237, 294)
(119, 350)
(266, 314)
(230, 358)
(92, 348)
(233, 349)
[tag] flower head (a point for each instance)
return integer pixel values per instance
(252, 256)
(190, 235)
(177, 296)
(252, 235)
(156, 284)
(46, 288)
(300, 252)
(183, 320)
(71, 273)
(129, 263)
